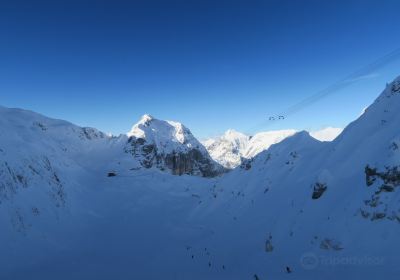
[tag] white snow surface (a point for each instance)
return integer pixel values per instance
(62, 217)
(326, 134)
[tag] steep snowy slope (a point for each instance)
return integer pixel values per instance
(302, 209)
(31, 143)
(39, 158)
(171, 145)
(320, 209)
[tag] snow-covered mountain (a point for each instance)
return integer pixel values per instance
(302, 209)
(233, 147)
(229, 148)
(39, 151)
(168, 144)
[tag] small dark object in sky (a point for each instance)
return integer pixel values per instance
(256, 277)
(288, 270)
(276, 118)
(111, 174)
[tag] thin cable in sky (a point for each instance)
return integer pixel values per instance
(353, 78)
(347, 81)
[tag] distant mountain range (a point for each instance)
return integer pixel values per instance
(232, 147)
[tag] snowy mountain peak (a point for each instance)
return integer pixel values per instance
(240, 139)
(235, 134)
(166, 135)
(230, 148)
(146, 118)
(227, 149)
(169, 144)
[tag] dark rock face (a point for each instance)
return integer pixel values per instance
(188, 163)
(318, 190)
(385, 184)
(246, 163)
(390, 177)
(91, 133)
(145, 153)
(192, 162)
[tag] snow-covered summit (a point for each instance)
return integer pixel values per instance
(169, 144)
(168, 136)
(228, 148)
(235, 135)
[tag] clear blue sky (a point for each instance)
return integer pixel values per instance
(211, 65)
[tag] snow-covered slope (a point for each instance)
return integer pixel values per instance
(35, 149)
(322, 209)
(302, 209)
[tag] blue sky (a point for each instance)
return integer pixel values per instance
(211, 65)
